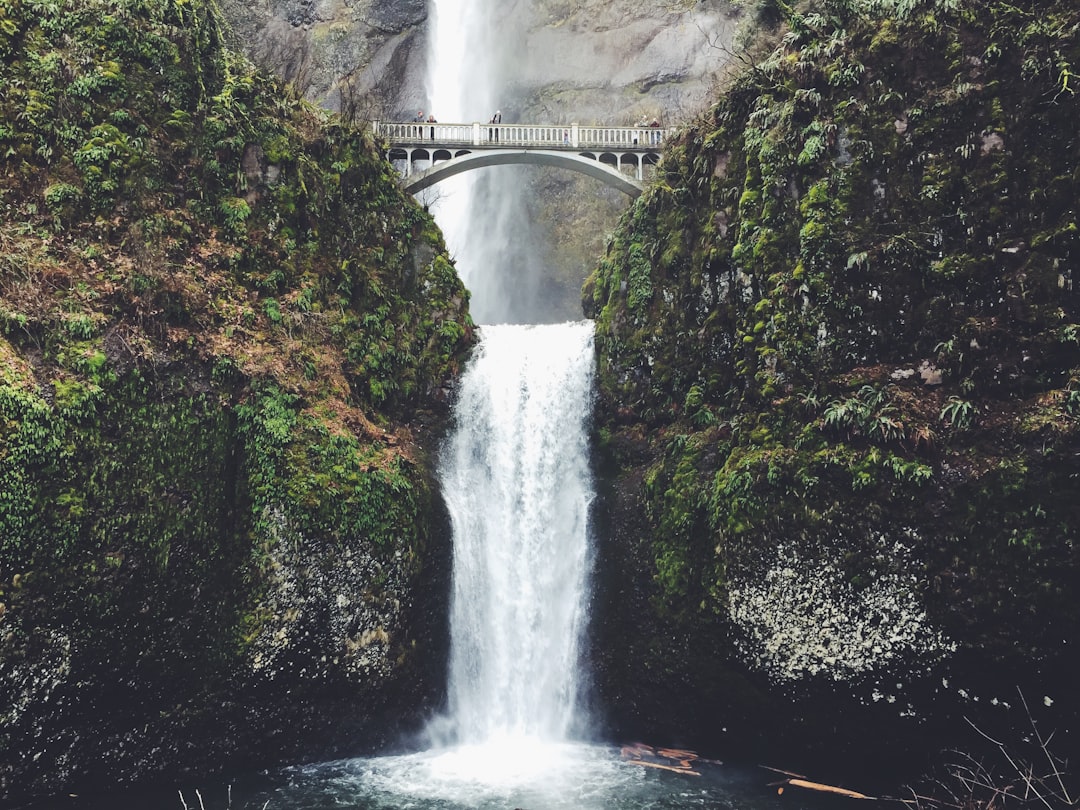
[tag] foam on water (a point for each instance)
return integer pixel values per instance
(517, 773)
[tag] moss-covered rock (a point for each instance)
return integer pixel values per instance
(839, 367)
(224, 333)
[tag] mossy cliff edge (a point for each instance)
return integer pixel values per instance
(223, 330)
(839, 360)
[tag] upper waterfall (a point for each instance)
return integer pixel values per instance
(474, 54)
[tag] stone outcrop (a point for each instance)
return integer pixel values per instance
(359, 58)
(616, 62)
(224, 336)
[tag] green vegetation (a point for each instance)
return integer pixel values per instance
(218, 314)
(858, 325)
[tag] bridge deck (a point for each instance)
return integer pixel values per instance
(538, 136)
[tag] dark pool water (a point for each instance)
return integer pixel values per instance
(501, 775)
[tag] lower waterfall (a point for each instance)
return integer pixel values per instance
(517, 483)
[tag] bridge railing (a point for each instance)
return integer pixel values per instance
(526, 135)
(542, 136)
(631, 137)
(439, 133)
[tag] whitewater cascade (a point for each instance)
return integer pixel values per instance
(516, 479)
(515, 471)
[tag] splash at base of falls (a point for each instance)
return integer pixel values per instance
(515, 774)
(501, 775)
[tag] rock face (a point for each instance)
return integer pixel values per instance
(588, 62)
(224, 333)
(359, 58)
(597, 62)
(839, 413)
(602, 62)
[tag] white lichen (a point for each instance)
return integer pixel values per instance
(333, 594)
(804, 619)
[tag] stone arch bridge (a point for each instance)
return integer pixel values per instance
(616, 155)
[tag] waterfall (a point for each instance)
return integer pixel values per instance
(475, 49)
(515, 477)
(515, 471)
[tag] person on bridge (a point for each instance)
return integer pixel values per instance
(493, 133)
(431, 120)
(419, 119)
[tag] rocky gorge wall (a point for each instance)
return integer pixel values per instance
(839, 416)
(224, 337)
(591, 62)
(364, 60)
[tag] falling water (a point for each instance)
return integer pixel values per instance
(517, 483)
(452, 76)
(475, 48)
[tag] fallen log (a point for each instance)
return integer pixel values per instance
(800, 781)
(808, 785)
(649, 757)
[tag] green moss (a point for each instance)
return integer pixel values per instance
(218, 315)
(887, 220)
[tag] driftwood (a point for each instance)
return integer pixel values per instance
(799, 781)
(851, 794)
(677, 760)
(675, 768)
(680, 760)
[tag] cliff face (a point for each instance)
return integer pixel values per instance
(606, 62)
(613, 62)
(223, 332)
(839, 361)
(592, 61)
(358, 58)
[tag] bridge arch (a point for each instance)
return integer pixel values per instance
(603, 166)
(435, 154)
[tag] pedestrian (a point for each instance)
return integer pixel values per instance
(419, 131)
(496, 119)
(431, 120)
